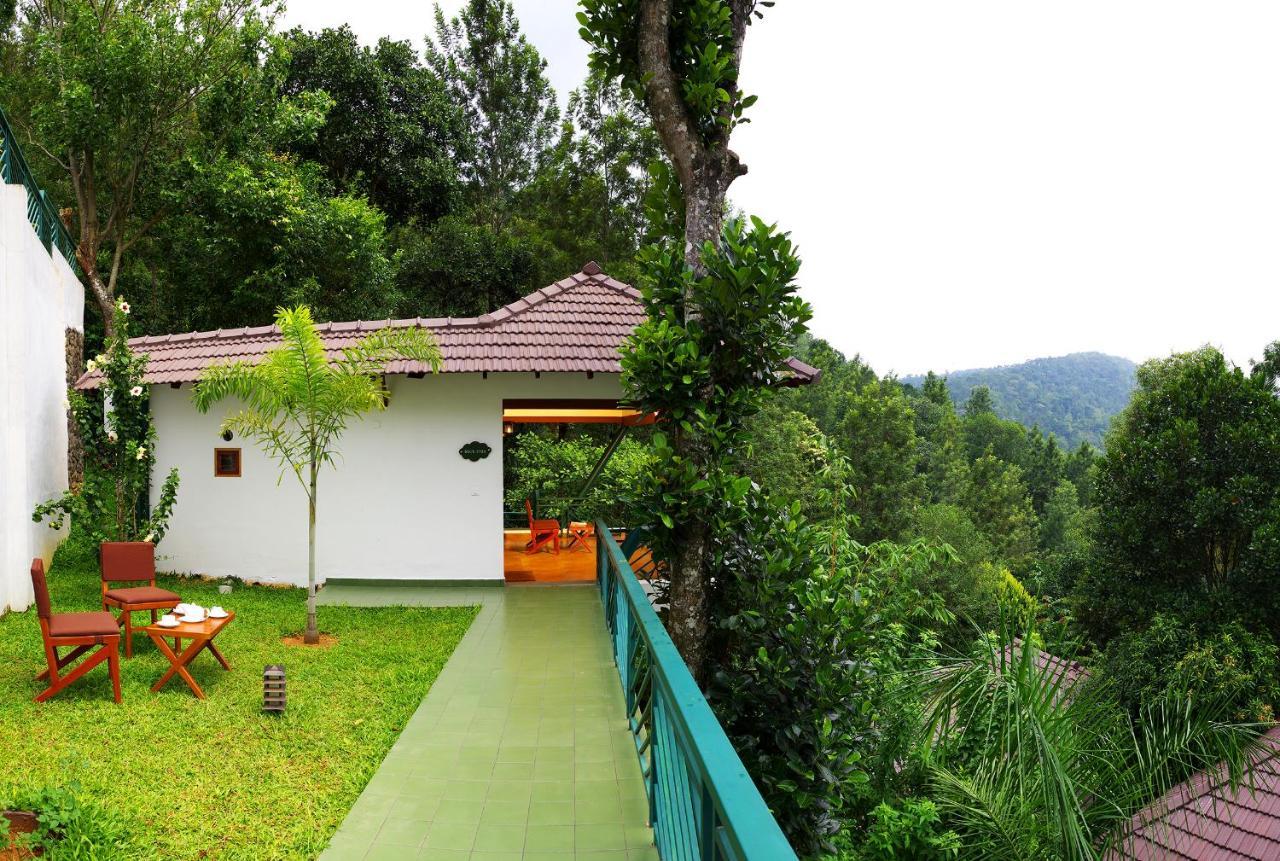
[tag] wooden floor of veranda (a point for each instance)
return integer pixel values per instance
(575, 564)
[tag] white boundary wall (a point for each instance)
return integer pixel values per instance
(40, 298)
(401, 505)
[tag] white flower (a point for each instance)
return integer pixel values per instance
(113, 436)
(142, 452)
(92, 365)
(100, 359)
(149, 538)
(136, 391)
(124, 307)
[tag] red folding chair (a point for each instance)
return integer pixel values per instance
(132, 562)
(542, 531)
(79, 631)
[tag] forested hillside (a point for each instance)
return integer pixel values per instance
(1072, 397)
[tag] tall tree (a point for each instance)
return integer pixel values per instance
(111, 93)
(393, 129)
(498, 77)
(1190, 488)
(683, 58)
(879, 438)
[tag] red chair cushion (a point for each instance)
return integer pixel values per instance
(96, 624)
(143, 595)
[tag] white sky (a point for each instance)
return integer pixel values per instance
(985, 182)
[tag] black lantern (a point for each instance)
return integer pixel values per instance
(273, 695)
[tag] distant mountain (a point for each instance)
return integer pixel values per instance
(1073, 397)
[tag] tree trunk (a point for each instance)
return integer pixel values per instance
(705, 169)
(312, 634)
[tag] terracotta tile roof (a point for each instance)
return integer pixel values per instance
(1204, 819)
(577, 324)
(1062, 672)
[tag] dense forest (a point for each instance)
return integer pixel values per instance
(272, 169)
(863, 574)
(1071, 397)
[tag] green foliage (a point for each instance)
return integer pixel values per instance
(72, 828)
(296, 401)
(702, 361)
(789, 458)
(556, 469)
(458, 268)
(1071, 397)
(1220, 664)
(878, 436)
(910, 830)
(496, 76)
(701, 39)
(1190, 488)
(997, 500)
(392, 131)
(119, 440)
(1022, 766)
(808, 652)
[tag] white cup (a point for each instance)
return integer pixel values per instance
(217, 611)
(169, 619)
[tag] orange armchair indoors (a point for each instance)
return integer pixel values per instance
(542, 531)
(132, 562)
(81, 631)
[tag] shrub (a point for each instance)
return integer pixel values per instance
(813, 635)
(1228, 665)
(119, 452)
(910, 831)
(70, 828)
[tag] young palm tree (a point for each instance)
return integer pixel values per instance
(297, 402)
(1025, 762)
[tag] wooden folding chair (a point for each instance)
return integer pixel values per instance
(542, 531)
(132, 562)
(80, 631)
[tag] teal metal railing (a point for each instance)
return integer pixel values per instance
(702, 803)
(41, 212)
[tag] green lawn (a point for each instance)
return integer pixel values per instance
(218, 779)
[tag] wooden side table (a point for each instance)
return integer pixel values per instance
(200, 634)
(579, 532)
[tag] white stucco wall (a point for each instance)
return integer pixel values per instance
(40, 298)
(402, 503)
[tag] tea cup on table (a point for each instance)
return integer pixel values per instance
(216, 612)
(169, 620)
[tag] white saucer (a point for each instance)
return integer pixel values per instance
(192, 620)
(171, 625)
(219, 615)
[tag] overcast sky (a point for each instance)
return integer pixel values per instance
(985, 182)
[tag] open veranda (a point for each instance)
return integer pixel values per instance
(218, 778)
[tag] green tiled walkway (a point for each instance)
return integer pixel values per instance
(519, 751)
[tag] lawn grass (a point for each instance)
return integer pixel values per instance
(219, 779)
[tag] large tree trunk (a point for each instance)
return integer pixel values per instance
(705, 170)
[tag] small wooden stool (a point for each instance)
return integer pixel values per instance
(579, 532)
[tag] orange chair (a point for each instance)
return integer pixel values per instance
(132, 562)
(542, 531)
(81, 631)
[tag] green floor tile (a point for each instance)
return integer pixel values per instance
(521, 749)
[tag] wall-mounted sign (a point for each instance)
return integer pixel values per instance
(475, 450)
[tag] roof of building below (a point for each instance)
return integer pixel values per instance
(1204, 819)
(577, 325)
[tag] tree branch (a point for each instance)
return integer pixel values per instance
(662, 92)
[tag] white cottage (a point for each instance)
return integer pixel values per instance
(404, 503)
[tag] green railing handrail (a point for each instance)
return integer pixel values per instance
(41, 212)
(703, 804)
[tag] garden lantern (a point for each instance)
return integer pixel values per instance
(273, 695)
